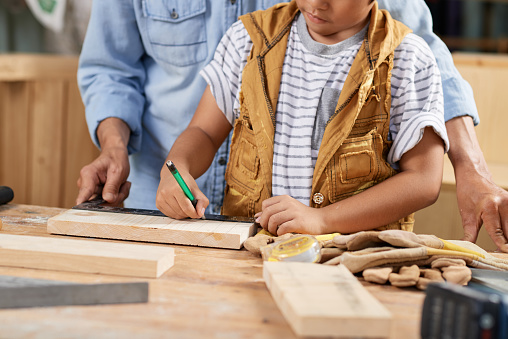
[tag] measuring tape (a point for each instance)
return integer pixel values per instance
(301, 248)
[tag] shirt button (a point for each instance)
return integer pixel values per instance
(222, 161)
(233, 2)
(318, 198)
(174, 14)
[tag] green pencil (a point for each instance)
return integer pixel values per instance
(183, 185)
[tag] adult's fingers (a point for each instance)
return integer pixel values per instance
(124, 192)
(495, 223)
(115, 179)
(88, 183)
(471, 229)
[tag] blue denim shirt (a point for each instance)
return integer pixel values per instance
(140, 63)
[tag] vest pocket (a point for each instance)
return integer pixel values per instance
(177, 30)
(243, 169)
(355, 166)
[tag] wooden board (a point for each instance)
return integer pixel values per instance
(325, 301)
(17, 292)
(85, 256)
(209, 233)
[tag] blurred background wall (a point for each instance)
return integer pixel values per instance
(471, 25)
(464, 25)
(21, 32)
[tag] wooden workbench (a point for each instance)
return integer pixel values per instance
(208, 293)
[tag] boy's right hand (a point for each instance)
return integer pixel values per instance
(172, 201)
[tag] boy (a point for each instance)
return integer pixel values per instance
(338, 121)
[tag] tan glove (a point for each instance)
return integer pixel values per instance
(255, 243)
(401, 248)
(378, 275)
(407, 276)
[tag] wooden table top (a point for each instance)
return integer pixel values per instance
(208, 293)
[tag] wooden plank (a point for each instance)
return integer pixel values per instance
(17, 292)
(84, 256)
(325, 301)
(47, 131)
(109, 225)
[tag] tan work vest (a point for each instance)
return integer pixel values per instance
(355, 142)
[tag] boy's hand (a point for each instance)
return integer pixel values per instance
(172, 201)
(284, 214)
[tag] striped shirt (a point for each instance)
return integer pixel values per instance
(313, 75)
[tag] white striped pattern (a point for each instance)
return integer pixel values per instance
(417, 100)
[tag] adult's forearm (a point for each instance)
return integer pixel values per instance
(113, 133)
(465, 152)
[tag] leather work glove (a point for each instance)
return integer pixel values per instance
(401, 248)
(453, 271)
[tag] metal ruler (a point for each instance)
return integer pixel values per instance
(96, 206)
(493, 279)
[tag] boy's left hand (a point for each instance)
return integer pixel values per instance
(284, 214)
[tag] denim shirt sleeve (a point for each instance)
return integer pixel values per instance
(111, 75)
(458, 94)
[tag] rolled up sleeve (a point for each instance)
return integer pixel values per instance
(458, 94)
(111, 75)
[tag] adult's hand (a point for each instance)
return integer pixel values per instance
(107, 175)
(480, 200)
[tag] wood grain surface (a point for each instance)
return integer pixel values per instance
(209, 233)
(63, 254)
(208, 293)
(323, 301)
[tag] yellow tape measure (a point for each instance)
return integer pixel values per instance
(302, 248)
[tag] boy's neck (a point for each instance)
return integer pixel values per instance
(339, 36)
(323, 49)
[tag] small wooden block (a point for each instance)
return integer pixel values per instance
(18, 292)
(325, 301)
(85, 256)
(198, 232)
